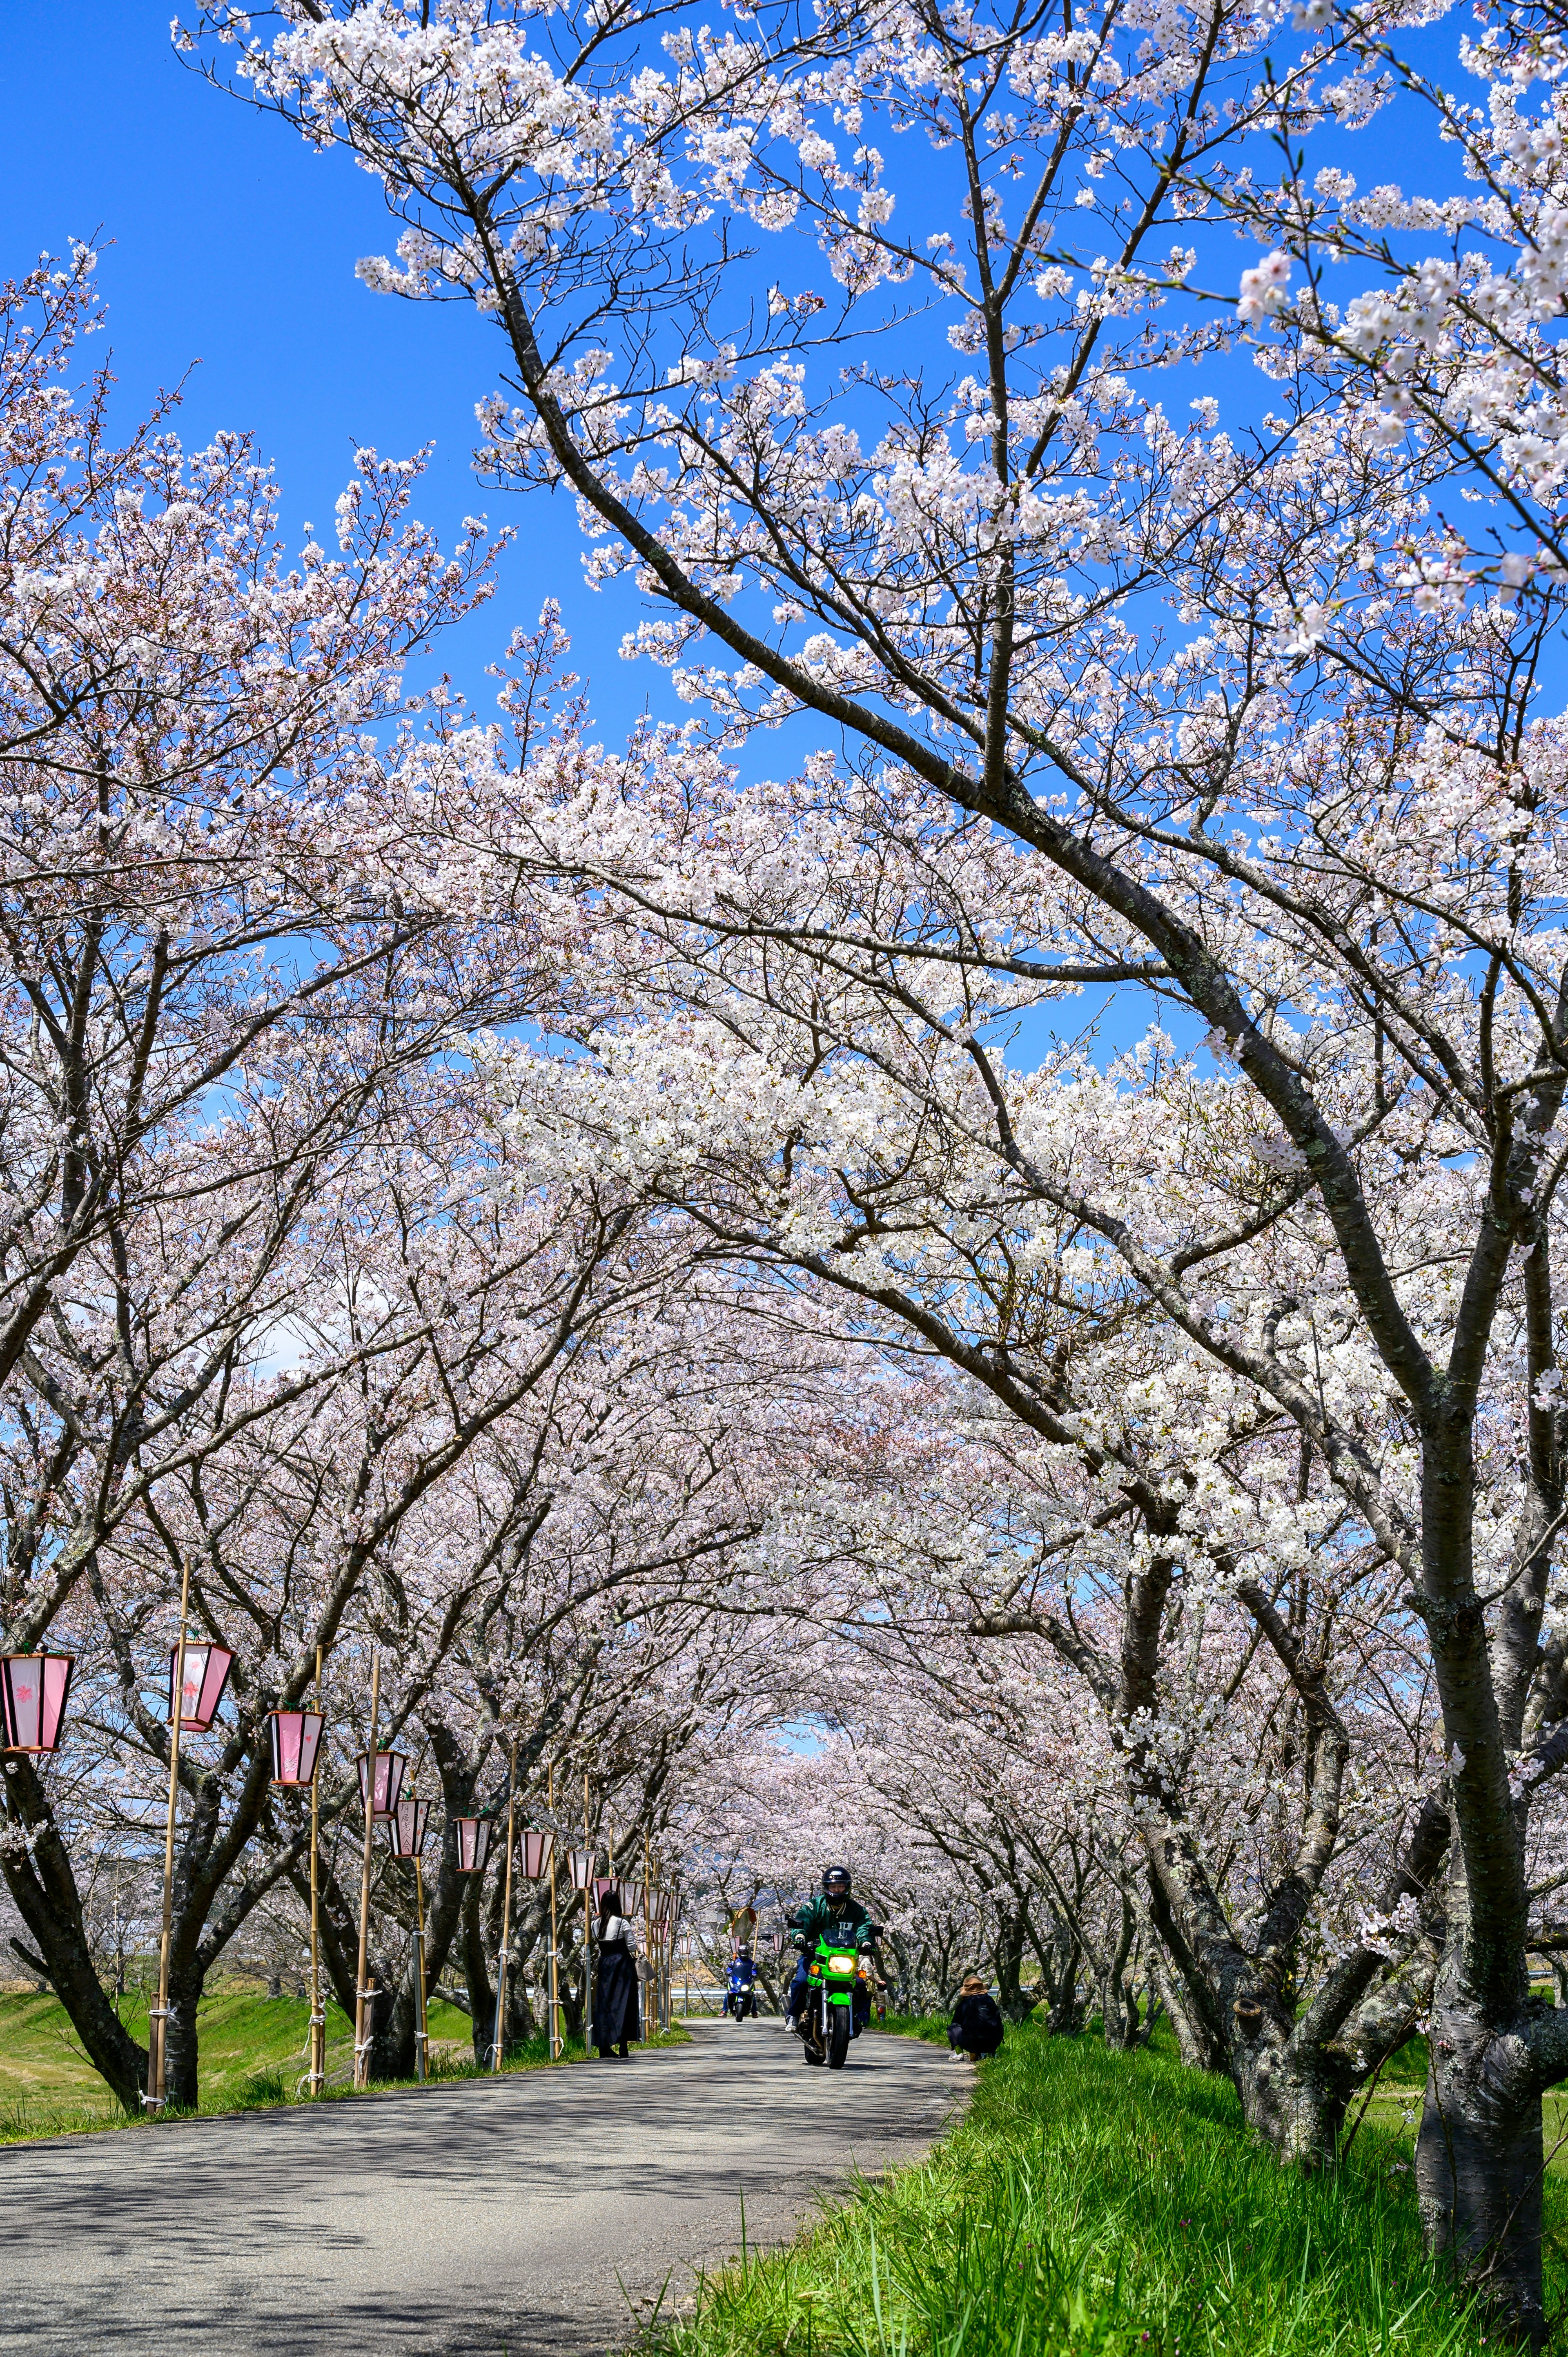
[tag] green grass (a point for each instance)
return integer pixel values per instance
(1104, 2205)
(932, 2027)
(252, 2053)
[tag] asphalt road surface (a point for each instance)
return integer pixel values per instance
(529, 2215)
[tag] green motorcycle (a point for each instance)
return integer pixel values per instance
(827, 2018)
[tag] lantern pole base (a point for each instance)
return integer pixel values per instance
(421, 2036)
(364, 2034)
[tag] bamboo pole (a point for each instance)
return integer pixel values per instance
(646, 1939)
(506, 1913)
(158, 2021)
(364, 1990)
(422, 2037)
(587, 1928)
(554, 1970)
(317, 2080)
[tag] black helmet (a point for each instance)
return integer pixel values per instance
(835, 1882)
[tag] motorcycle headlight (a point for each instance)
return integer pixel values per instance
(840, 1963)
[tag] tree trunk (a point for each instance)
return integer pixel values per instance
(476, 1973)
(391, 2028)
(571, 1987)
(1118, 1998)
(182, 2084)
(1007, 1956)
(1479, 2158)
(1119, 2018)
(1293, 2099)
(40, 1878)
(1066, 2016)
(394, 2020)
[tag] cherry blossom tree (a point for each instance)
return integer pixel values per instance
(1200, 711)
(192, 868)
(1059, 615)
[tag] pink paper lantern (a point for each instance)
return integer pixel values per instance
(474, 1838)
(607, 1893)
(406, 1827)
(207, 1669)
(389, 1767)
(582, 1867)
(296, 1742)
(33, 1688)
(538, 1849)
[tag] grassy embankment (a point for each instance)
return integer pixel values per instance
(253, 2053)
(1105, 2204)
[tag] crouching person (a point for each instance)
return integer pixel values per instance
(975, 2029)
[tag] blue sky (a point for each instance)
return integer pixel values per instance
(228, 250)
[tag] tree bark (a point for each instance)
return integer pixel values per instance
(38, 1876)
(1479, 2158)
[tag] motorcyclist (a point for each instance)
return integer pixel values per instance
(838, 1915)
(739, 1998)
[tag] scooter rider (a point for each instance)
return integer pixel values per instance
(841, 1917)
(740, 1997)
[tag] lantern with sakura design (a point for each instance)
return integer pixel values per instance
(389, 1769)
(207, 1669)
(33, 1690)
(295, 1737)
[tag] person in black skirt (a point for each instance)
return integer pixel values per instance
(616, 2016)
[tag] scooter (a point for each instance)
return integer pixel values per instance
(740, 1994)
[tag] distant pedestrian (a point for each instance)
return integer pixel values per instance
(615, 2014)
(975, 2029)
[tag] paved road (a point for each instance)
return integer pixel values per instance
(484, 2217)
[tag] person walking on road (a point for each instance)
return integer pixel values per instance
(615, 2012)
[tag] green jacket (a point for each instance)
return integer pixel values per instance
(847, 1920)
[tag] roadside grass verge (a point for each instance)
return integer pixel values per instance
(932, 2027)
(1105, 2205)
(254, 2054)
